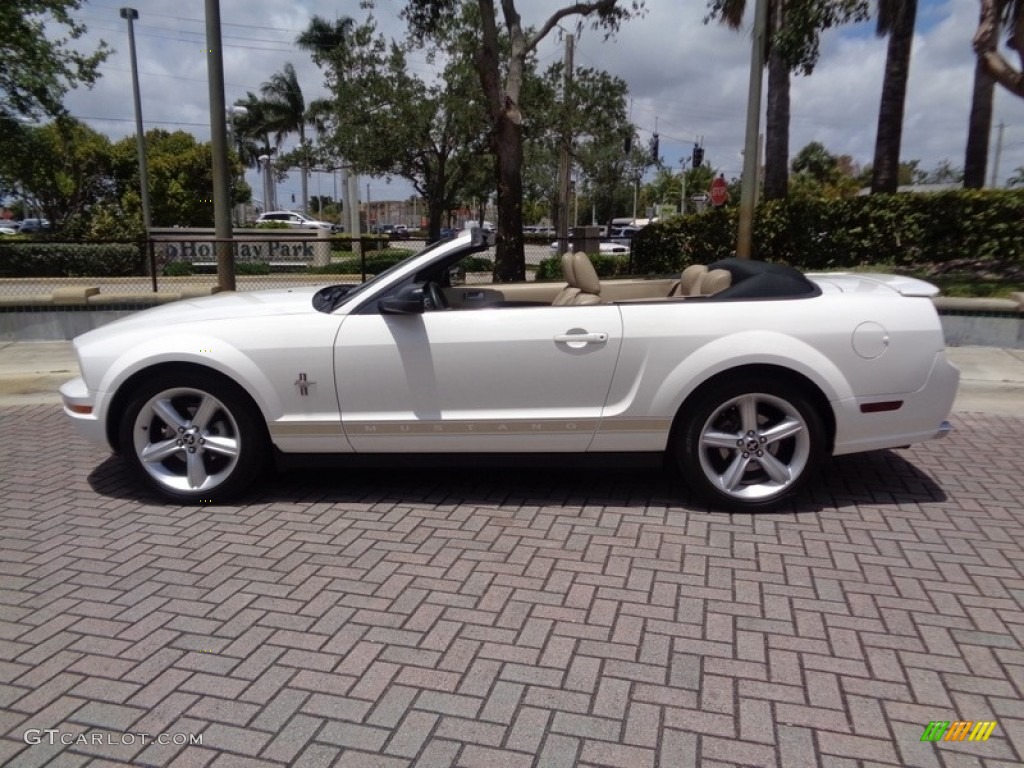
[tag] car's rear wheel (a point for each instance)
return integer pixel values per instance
(746, 446)
(193, 437)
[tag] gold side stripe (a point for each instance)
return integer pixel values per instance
(306, 429)
(542, 426)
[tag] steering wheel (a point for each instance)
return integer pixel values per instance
(433, 297)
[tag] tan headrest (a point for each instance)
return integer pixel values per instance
(567, 269)
(586, 276)
(689, 283)
(714, 281)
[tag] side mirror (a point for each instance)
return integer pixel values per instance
(408, 301)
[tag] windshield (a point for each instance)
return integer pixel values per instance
(363, 287)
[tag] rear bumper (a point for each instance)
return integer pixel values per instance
(921, 416)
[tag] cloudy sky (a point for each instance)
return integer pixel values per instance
(686, 78)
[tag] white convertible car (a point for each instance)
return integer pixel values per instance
(742, 374)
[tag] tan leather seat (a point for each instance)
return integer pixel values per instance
(689, 281)
(567, 294)
(715, 280)
(583, 286)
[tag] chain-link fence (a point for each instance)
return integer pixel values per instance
(182, 263)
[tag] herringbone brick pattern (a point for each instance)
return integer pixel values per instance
(523, 618)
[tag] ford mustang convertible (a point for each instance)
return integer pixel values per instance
(741, 374)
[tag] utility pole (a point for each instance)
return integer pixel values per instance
(565, 156)
(131, 14)
(999, 152)
(682, 197)
(745, 236)
(218, 141)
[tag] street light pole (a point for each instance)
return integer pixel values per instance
(130, 14)
(682, 199)
(748, 196)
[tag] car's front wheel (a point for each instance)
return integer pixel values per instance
(193, 437)
(747, 446)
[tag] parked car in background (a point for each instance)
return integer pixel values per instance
(605, 247)
(382, 229)
(742, 375)
(400, 232)
(4, 230)
(296, 220)
(30, 226)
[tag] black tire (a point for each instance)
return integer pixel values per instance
(211, 444)
(747, 446)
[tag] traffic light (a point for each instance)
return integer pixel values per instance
(627, 145)
(698, 156)
(654, 147)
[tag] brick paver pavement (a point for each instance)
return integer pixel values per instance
(511, 619)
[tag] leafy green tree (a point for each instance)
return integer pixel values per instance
(817, 173)
(180, 179)
(38, 64)
(386, 120)
(594, 114)
(944, 173)
(667, 186)
(501, 79)
(61, 169)
(794, 31)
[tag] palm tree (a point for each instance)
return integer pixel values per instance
(1007, 14)
(794, 29)
(251, 134)
(997, 15)
(979, 126)
(776, 160)
(284, 109)
(323, 37)
(896, 18)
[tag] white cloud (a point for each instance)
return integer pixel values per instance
(690, 77)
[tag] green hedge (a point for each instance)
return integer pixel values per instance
(376, 261)
(606, 265)
(891, 230)
(40, 259)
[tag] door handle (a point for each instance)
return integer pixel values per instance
(581, 338)
(473, 295)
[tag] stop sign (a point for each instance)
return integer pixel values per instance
(719, 191)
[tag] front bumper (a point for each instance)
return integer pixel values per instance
(80, 406)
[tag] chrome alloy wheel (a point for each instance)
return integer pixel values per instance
(754, 446)
(186, 440)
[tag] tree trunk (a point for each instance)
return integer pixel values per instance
(776, 150)
(435, 213)
(507, 146)
(305, 170)
(986, 45)
(886, 169)
(979, 128)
